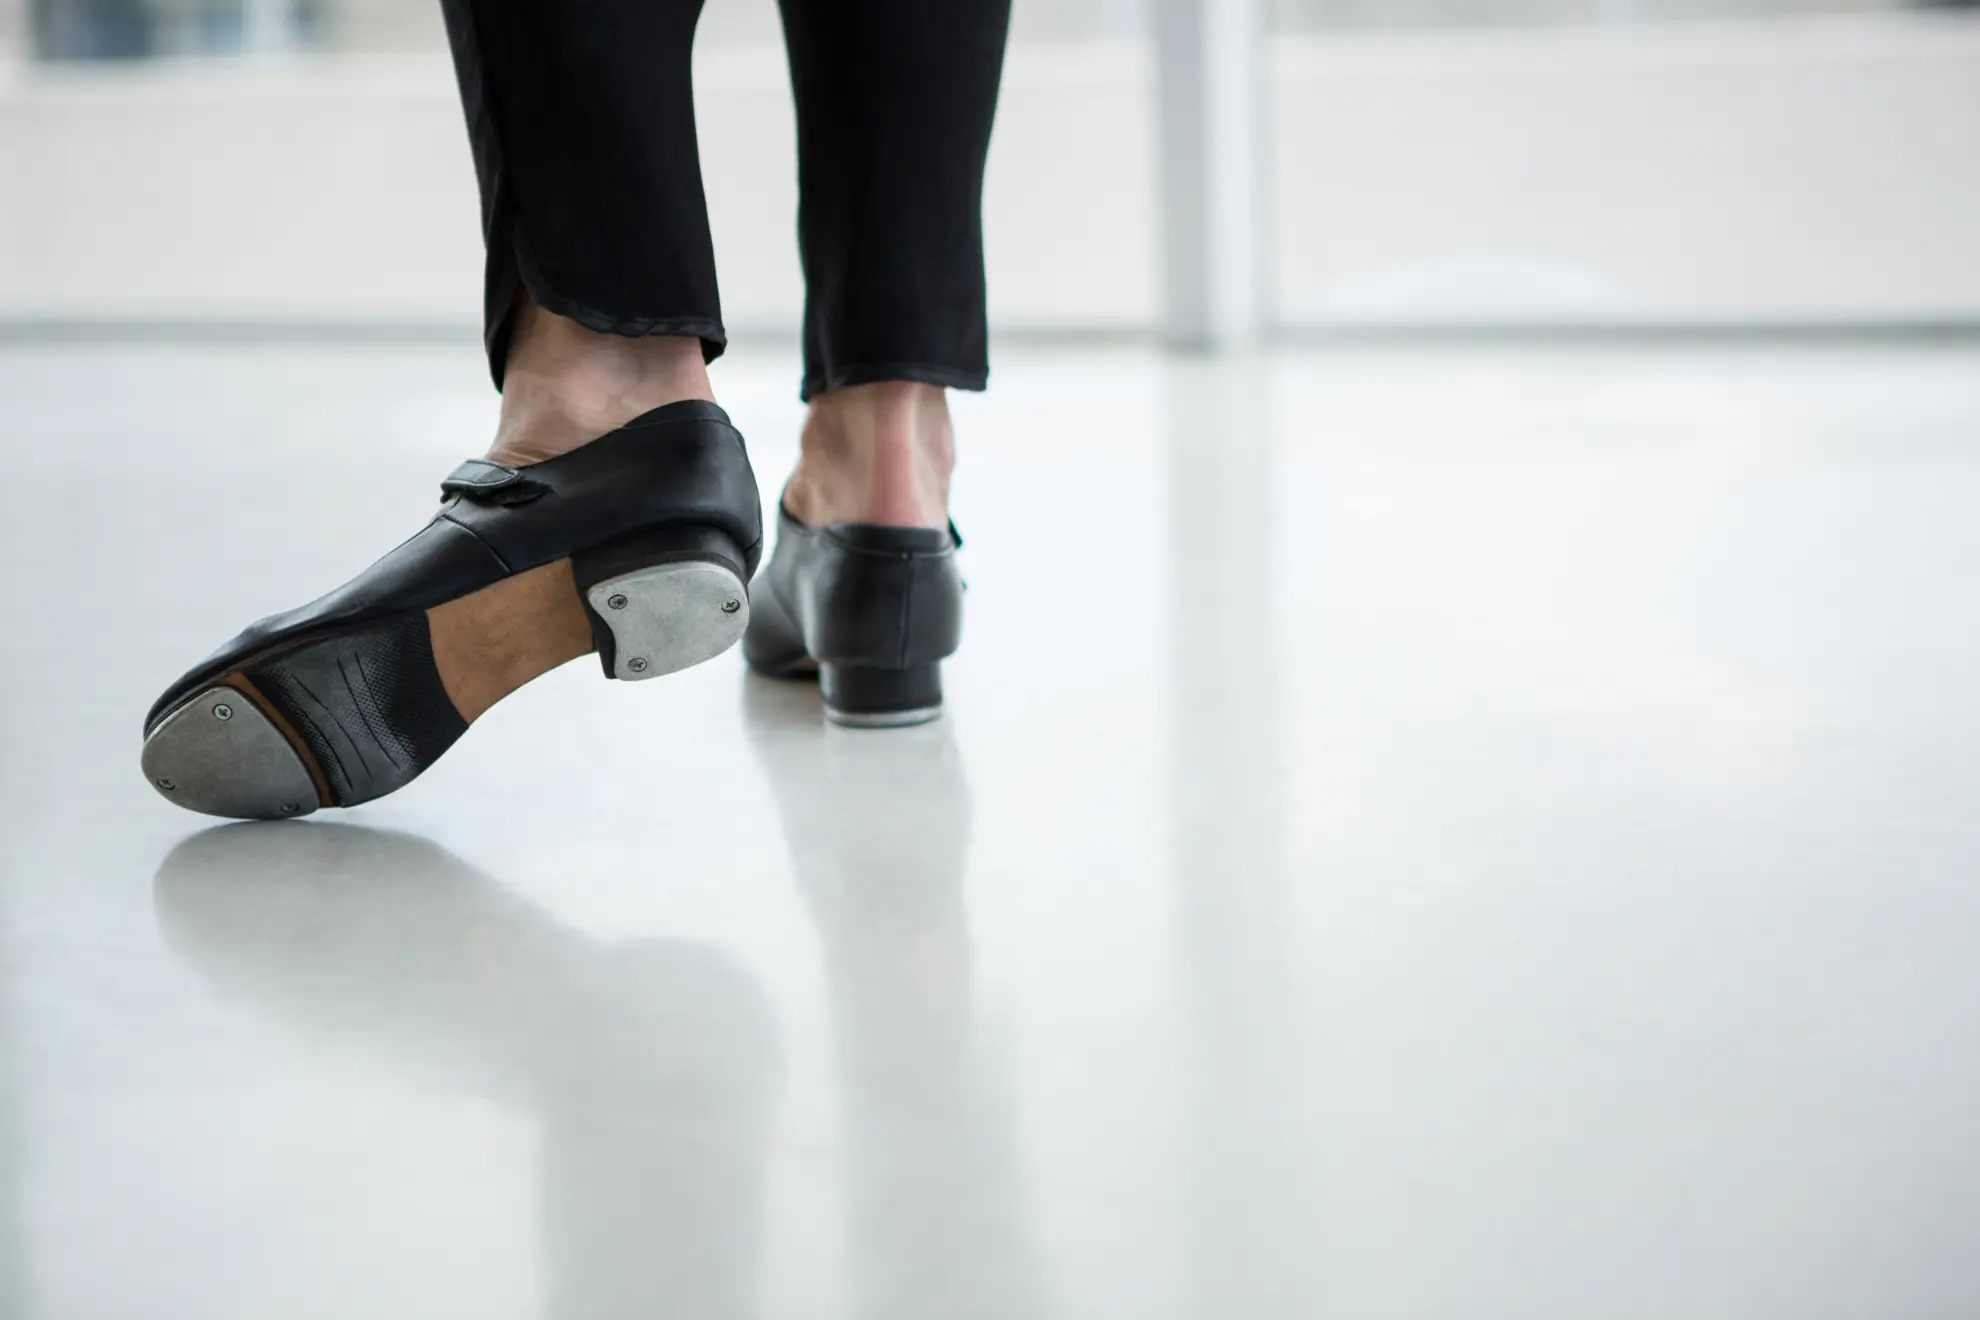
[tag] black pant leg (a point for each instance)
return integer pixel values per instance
(582, 118)
(894, 102)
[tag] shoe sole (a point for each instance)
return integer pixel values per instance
(872, 697)
(856, 697)
(890, 719)
(230, 752)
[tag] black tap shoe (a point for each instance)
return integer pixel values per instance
(871, 610)
(339, 701)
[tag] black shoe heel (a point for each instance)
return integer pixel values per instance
(865, 697)
(873, 609)
(663, 600)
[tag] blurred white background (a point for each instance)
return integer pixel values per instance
(1498, 162)
(1486, 830)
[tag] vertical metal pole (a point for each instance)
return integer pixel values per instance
(267, 27)
(14, 36)
(1208, 86)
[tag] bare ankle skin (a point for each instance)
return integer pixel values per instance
(565, 385)
(879, 453)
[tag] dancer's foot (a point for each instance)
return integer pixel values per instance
(638, 544)
(863, 589)
(563, 387)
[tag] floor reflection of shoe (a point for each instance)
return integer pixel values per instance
(872, 610)
(649, 1069)
(340, 701)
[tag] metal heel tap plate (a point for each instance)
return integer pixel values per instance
(670, 616)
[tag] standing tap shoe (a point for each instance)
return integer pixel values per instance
(871, 610)
(340, 701)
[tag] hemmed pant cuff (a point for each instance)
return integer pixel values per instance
(714, 339)
(868, 373)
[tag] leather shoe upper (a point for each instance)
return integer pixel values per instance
(856, 594)
(680, 464)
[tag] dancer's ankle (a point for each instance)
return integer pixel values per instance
(878, 453)
(565, 385)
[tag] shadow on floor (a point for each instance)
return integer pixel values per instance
(652, 1067)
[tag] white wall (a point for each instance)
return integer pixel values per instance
(1794, 171)
(342, 190)
(1805, 170)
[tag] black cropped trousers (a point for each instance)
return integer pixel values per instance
(582, 118)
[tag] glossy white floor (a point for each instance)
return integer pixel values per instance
(1418, 833)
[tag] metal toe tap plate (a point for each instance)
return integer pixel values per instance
(219, 754)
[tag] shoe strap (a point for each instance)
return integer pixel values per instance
(491, 483)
